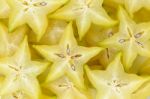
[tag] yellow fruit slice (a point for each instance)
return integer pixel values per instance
(20, 73)
(132, 39)
(32, 12)
(114, 82)
(65, 89)
(84, 12)
(68, 58)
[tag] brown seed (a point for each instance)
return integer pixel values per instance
(138, 34)
(68, 50)
(122, 40)
(43, 3)
(76, 56)
(60, 55)
(25, 3)
(107, 51)
(73, 67)
(140, 44)
(26, 9)
(13, 68)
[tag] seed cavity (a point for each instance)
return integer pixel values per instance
(17, 95)
(80, 8)
(68, 50)
(66, 85)
(40, 4)
(138, 35)
(60, 55)
(13, 68)
(43, 3)
(63, 85)
(88, 3)
(107, 51)
(73, 67)
(76, 56)
(25, 3)
(117, 84)
(71, 58)
(140, 44)
(122, 40)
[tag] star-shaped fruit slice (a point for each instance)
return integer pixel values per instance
(68, 58)
(132, 39)
(84, 12)
(4, 9)
(114, 82)
(65, 89)
(32, 12)
(9, 41)
(21, 72)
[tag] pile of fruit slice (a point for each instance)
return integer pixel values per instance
(74, 49)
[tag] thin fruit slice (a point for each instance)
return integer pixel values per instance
(32, 12)
(84, 12)
(114, 82)
(68, 58)
(21, 72)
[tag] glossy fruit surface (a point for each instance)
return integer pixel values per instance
(74, 49)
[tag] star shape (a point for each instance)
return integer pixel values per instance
(84, 12)
(4, 9)
(114, 82)
(21, 72)
(32, 12)
(68, 58)
(65, 89)
(132, 39)
(9, 40)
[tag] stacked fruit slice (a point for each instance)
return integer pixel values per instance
(74, 49)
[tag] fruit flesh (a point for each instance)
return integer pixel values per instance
(74, 49)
